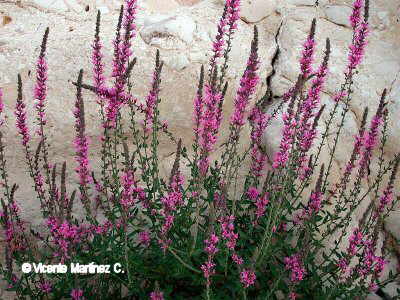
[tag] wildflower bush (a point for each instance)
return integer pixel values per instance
(205, 234)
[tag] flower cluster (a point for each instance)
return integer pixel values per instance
(297, 270)
(247, 278)
(171, 202)
(209, 126)
(128, 184)
(355, 17)
(259, 120)
(20, 114)
(122, 53)
(77, 294)
(248, 85)
(97, 57)
(308, 52)
(81, 141)
(40, 91)
(228, 231)
(357, 49)
(211, 249)
(157, 295)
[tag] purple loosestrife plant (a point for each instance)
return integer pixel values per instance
(205, 232)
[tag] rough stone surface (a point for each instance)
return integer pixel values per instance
(172, 33)
(392, 224)
(183, 30)
(302, 2)
(338, 14)
(253, 11)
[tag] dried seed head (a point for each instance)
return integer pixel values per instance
(44, 42)
(19, 88)
(313, 27)
(382, 103)
(224, 90)
(254, 43)
(98, 19)
(364, 119)
(318, 116)
(175, 166)
(130, 68)
(327, 51)
(201, 82)
(319, 181)
(366, 11)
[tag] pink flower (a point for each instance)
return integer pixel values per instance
(211, 244)
(247, 87)
(20, 114)
(385, 199)
(122, 54)
(356, 240)
(339, 96)
(247, 278)
(373, 287)
(294, 264)
(128, 185)
(253, 193)
(237, 259)
(227, 25)
(211, 249)
(343, 265)
(171, 202)
(208, 270)
(261, 205)
(355, 17)
(144, 238)
(40, 91)
(233, 14)
(228, 231)
(45, 287)
(292, 296)
(77, 294)
(156, 295)
(357, 48)
(308, 53)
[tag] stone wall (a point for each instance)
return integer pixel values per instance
(183, 30)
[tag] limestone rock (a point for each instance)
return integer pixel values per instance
(165, 6)
(173, 33)
(184, 34)
(302, 2)
(338, 14)
(178, 62)
(58, 5)
(253, 11)
(392, 224)
(188, 2)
